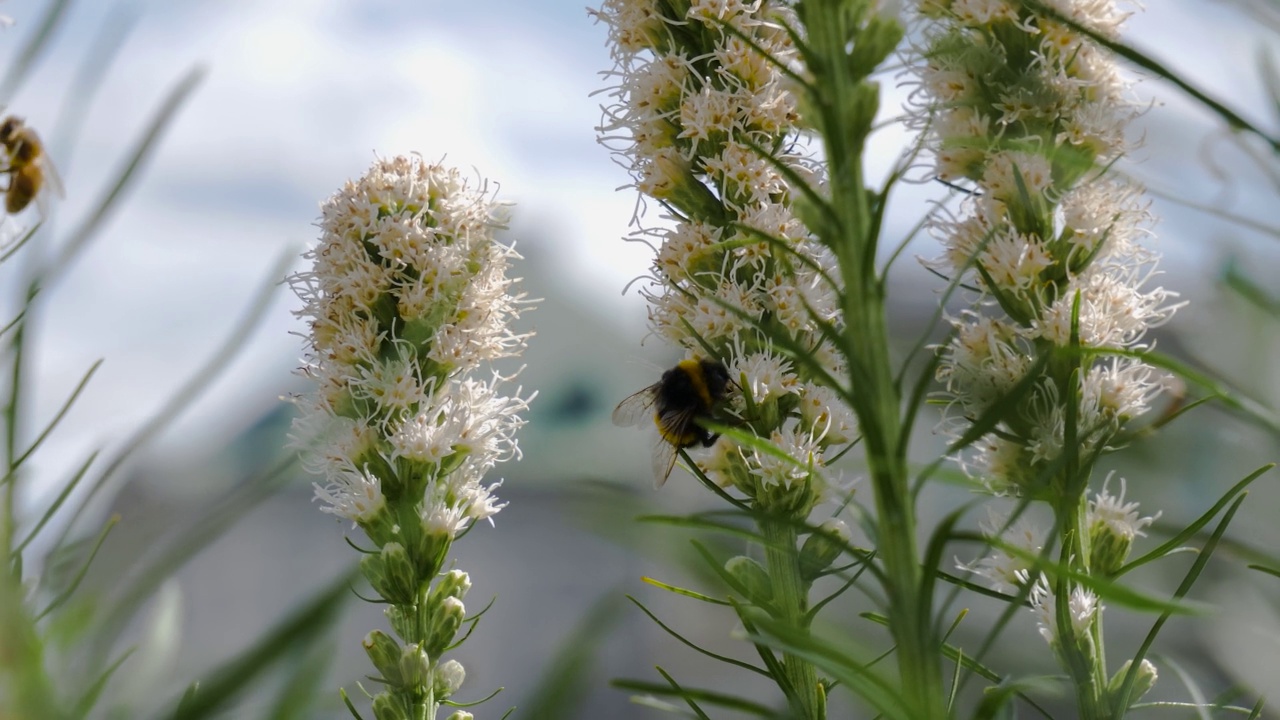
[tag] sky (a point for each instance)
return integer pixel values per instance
(298, 95)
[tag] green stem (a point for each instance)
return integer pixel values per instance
(846, 104)
(791, 595)
(1081, 655)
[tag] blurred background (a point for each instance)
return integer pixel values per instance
(293, 97)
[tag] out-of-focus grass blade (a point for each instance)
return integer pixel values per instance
(53, 508)
(1198, 698)
(195, 538)
(297, 630)
(62, 411)
(191, 390)
(1274, 572)
(31, 51)
(75, 583)
(707, 521)
(188, 697)
(298, 696)
(1190, 530)
(1106, 588)
(1250, 291)
(140, 153)
(1270, 80)
(89, 79)
(1248, 408)
(692, 696)
(568, 677)
(1122, 697)
(26, 235)
(995, 700)
(1231, 117)
(90, 697)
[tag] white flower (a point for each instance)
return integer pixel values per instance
(828, 416)
(1082, 604)
(766, 376)
(1003, 570)
(449, 676)
(354, 494)
(1031, 112)
(1120, 518)
(408, 291)
(803, 459)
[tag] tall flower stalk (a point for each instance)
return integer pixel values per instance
(408, 298)
(766, 261)
(704, 116)
(1032, 113)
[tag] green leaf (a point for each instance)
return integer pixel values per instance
(836, 662)
(62, 411)
(67, 488)
(282, 641)
(568, 677)
(90, 698)
(1105, 588)
(302, 687)
(84, 568)
(1122, 699)
(160, 122)
(1231, 117)
(689, 643)
(694, 696)
(36, 44)
(1190, 530)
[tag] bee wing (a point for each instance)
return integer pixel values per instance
(52, 180)
(662, 459)
(635, 408)
(51, 177)
(675, 423)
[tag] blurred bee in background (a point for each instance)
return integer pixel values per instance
(31, 174)
(685, 394)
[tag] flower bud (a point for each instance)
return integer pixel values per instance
(1147, 677)
(822, 548)
(448, 678)
(444, 625)
(415, 666)
(461, 715)
(401, 618)
(1108, 550)
(389, 707)
(390, 572)
(753, 577)
(384, 652)
(454, 583)
(431, 547)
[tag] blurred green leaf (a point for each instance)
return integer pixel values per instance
(32, 49)
(569, 676)
(287, 639)
(689, 643)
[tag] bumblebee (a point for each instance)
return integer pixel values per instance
(28, 167)
(687, 393)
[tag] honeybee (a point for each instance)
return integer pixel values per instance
(686, 393)
(31, 174)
